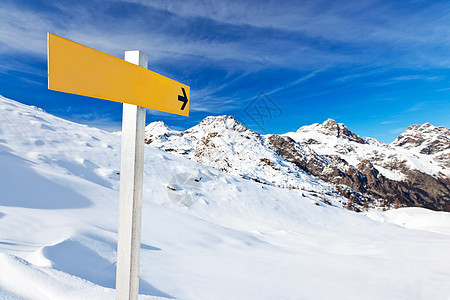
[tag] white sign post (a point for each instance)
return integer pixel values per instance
(77, 69)
(130, 200)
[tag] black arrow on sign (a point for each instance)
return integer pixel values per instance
(183, 98)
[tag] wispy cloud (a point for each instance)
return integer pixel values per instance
(397, 130)
(298, 81)
(417, 106)
(418, 77)
(387, 26)
(444, 89)
(407, 78)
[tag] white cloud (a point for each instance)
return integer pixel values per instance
(344, 21)
(371, 31)
(22, 31)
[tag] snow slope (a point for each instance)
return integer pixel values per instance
(205, 235)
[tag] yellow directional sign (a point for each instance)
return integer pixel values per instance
(77, 69)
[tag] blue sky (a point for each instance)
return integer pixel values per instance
(376, 66)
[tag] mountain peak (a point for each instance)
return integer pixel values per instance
(330, 123)
(218, 123)
(335, 127)
(421, 127)
(158, 131)
(157, 127)
(218, 119)
(428, 139)
(157, 124)
(332, 128)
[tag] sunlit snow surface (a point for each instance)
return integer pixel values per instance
(239, 240)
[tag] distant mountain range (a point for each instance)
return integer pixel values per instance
(414, 170)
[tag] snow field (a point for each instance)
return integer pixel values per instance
(239, 240)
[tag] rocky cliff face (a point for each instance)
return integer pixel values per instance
(323, 157)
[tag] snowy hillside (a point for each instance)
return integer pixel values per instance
(206, 234)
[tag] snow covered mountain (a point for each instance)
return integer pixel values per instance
(234, 239)
(365, 171)
(225, 144)
(428, 140)
(412, 177)
(336, 139)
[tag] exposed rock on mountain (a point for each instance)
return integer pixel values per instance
(429, 140)
(339, 130)
(364, 178)
(365, 171)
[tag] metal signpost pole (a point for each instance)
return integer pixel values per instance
(130, 200)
